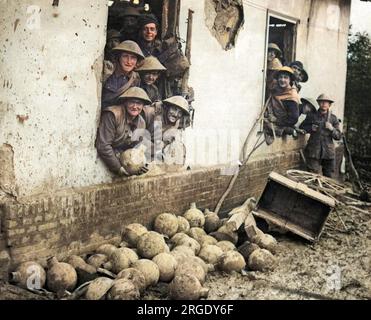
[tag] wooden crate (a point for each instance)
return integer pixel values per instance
(294, 207)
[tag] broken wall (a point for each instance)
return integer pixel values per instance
(50, 88)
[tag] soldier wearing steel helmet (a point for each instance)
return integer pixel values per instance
(301, 76)
(323, 127)
(163, 122)
(127, 56)
(282, 111)
(149, 74)
(273, 64)
(118, 124)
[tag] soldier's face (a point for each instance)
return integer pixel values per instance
(298, 73)
(284, 80)
(150, 77)
(174, 114)
(134, 107)
(112, 43)
(324, 105)
(128, 61)
(130, 24)
(149, 32)
(271, 55)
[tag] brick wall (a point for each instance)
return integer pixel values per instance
(77, 221)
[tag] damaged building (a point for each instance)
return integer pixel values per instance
(57, 197)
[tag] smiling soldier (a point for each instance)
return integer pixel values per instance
(117, 129)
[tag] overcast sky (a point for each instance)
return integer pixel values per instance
(361, 16)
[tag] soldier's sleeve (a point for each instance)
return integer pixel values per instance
(307, 124)
(105, 138)
(336, 133)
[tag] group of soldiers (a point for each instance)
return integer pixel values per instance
(284, 106)
(131, 100)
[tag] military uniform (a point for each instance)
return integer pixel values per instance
(320, 150)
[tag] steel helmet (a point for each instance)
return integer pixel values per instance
(325, 97)
(285, 69)
(179, 102)
(312, 102)
(273, 46)
(135, 93)
(151, 64)
(129, 46)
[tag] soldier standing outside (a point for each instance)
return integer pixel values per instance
(273, 64)
(323, 127)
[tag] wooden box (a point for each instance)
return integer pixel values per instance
(294, 207)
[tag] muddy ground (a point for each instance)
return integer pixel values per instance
(336, 267)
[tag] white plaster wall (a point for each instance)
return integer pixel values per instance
(228, 84)
(49, 73)
(49, 60)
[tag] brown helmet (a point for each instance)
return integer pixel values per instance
(113, 34)
(312, 102)
(285, 69)
(324, 97)
(178, 101)
(129, 46)
(135, 93)
(273, 46)
(151, 64)
(130, 12)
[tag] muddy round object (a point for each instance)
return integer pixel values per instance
(206, 240)
(97, 260)
(226, 234)
(210, 254)
(166, 224)
(149, 269)
(30, 275)
(195, 216)
(79, 263)
(177, 237)
(106, 249)
(261, 260)
(98, 288)
(150, 244)
(167, 265)
(60, 276)
(134, 275)
(188, 251)
(132, 232)
(231, 261)
(123, 289)
(186, 287)
(196, 233)
(133, 160)
(268, 242)
(183, 224)
(247, 248)
(193, 268)
(226, 245)
(212, 221)
(122, 258)
(190, 242)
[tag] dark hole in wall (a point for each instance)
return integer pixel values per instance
(224, 19)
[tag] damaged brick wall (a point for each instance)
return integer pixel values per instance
(7, 175)
(224, 18)
(77, 221)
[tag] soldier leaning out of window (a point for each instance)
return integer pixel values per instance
(282, 107)
(163, 122)
(127, 57)
(323, 127)
(147, 40)
(149, 73)
(117, 129)
(301, 76)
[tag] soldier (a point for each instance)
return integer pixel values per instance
(273, 64)
(308, 105)
(130, 27)
(149, 73)
(323, 127)
(300, 74)
(127, 56)
(163, 121)
(113, 40)
(282, 106)
(116, 132)
(148, 30)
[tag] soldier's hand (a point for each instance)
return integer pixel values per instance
(143, 169)
(122, 172)
(329, 126)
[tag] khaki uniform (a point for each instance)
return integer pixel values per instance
(115, 135)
